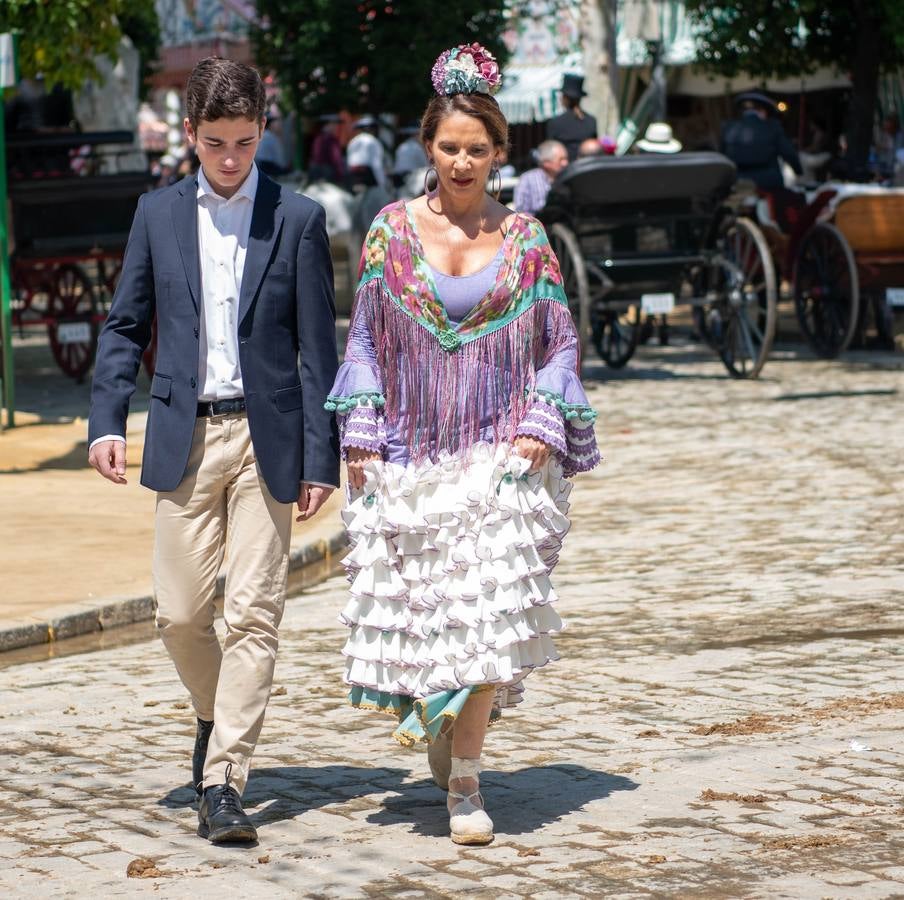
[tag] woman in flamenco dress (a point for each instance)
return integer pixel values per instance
(461, 417)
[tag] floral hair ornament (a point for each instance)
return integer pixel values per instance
(466, 69)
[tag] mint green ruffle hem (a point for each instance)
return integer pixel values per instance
(420, 720)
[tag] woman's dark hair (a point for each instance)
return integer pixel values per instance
(224, 89)
(480, 106)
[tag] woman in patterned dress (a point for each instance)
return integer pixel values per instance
(461, 417)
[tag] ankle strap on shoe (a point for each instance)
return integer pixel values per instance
(465, 768)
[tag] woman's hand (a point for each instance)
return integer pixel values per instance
(534, 450)
(356, 459)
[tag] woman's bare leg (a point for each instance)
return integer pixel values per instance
(467, 739)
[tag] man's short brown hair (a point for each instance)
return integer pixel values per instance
(224, 89)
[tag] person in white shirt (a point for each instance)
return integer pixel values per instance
(236, 272)
(365, 156)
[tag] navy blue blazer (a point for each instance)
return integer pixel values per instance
(286, 316)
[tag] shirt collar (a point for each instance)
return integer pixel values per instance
(246, 191)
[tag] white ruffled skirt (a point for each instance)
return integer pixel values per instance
(449, 572)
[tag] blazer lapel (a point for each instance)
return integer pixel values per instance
(185, 226)
(266, 221)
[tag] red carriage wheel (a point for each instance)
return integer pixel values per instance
(71, 326)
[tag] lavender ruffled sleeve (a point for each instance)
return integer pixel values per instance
(560, 414)
(357, 393)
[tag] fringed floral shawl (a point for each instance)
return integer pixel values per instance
(414, 384)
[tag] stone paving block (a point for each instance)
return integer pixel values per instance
(709, 565)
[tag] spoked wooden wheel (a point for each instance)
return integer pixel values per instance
(615, 335)
(740, 324)
(71, 326)
(574, 276)
(826, 290)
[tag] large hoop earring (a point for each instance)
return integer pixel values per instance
(495, 182)
(431, 180)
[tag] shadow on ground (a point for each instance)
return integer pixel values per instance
(518, 802)
(290, 791)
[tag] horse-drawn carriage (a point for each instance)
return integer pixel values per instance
(643, 234)
(841, 250)
(70, 223)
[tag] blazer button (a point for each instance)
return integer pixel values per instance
(197, 332)
(194, 383)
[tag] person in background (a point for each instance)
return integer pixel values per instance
(533, 185)
(889, 141)
(574, 125)
(409, 161)
(409, 155)
(365, 156)
(327, 162)
(506, 169)
(658, 138)
(756, 141)
(270, 156)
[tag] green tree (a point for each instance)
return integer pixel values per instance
(788, 37)
(370, 55)
(139, 22)
(60, 38)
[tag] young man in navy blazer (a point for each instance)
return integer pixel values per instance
(237, 271)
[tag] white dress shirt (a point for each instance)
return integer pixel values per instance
(223, 228)
(364, 149)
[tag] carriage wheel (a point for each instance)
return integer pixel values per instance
(616, 335)
(71, 327)
(826, 290)
(741, 323)
(574, 277)
(149, 357)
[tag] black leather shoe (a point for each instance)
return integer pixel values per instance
(202, 739)
(220, 814)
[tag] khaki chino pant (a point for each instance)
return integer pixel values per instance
(223, 506)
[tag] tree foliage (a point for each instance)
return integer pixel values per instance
(783, 38)
(60, 38)
(788, 37)
(139, 22)
(370, 55)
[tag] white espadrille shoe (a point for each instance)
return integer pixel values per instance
(468, 821)
(439, 756)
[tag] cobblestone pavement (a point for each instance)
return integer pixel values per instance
(726, 719)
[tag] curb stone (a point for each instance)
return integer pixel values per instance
(114, 612)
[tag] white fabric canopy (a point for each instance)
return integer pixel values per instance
(531, 93)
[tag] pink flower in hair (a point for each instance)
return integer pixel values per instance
(466, 69)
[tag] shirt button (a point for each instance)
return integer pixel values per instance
(197, 333)
(194, 383)
(222, 381)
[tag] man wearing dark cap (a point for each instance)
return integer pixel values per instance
(574, 125)
(755, 141)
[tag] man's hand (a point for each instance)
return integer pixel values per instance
(310, 498)
(356, 459)
(109, 458)
(534, 450)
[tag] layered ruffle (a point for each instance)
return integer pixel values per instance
(449, 572)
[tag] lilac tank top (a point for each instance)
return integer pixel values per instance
(459, 294)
